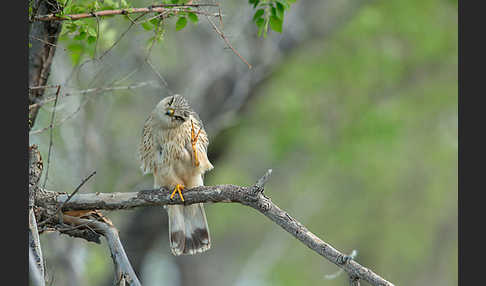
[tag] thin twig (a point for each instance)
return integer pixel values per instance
(187, 5)
(47, 43)
(60, 122)
(76, 190)
(50, 136)
(159, 76)
(97, 36)
(156, 31)
(121, 36)
(221, 34)
(59, 209)
(91, 90)
(43, 86)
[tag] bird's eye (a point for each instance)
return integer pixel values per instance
(170, 112)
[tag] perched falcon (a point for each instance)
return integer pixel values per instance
(174, 148)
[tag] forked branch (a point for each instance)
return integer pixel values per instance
(252, 196)
(124, 273)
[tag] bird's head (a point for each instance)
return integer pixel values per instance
(172, 111)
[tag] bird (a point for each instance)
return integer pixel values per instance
(173, 147)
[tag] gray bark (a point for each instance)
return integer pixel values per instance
(250, 196)
(43, 39)
(35, 251)
(35, 276)
(124, 273)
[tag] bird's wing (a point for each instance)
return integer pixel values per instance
(146, 148)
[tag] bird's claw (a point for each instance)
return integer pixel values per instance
(178, 188)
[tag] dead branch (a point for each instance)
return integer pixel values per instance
(34, 245)
(124, 272)
(50, 136)
(90, 90)
(34, 275)
(227, 42)
(58, 210)
(35, 251)
(252, 196)
(35, 171)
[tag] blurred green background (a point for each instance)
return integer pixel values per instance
(359, 126)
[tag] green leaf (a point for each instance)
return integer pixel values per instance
(284, 4)
(260, 30)
(276, 24)
(274, 12)
(258, 14)
(91, 39)
(192, 17)
(280, 10)
(155, 21)
(291, 1)
(147, 26)
(71, 27)
(80, 36)
(260, 22)
(123, 3)
(181, 23)
(92, 32)
(76, 51)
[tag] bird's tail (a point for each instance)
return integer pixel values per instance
(188, 229)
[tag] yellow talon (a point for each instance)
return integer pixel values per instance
(178, 188)
(194, 138)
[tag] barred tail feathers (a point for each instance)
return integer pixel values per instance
(188, 229)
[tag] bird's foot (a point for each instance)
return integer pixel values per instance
(194, 138)
(178, 188)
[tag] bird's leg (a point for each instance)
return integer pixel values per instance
(178, 188)
(194, 137)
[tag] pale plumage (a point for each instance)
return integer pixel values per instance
(166, 151)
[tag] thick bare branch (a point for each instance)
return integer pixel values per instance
(34, 246)
(35, 171)
(252, 196)
(35, 254)
(124, 272)
(34, 274)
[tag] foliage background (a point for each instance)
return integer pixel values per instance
(358, 123)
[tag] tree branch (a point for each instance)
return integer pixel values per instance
(124, 273)
(35, 248)
(35, 251)
(34, 274)
(155, 8)
(252, 196)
